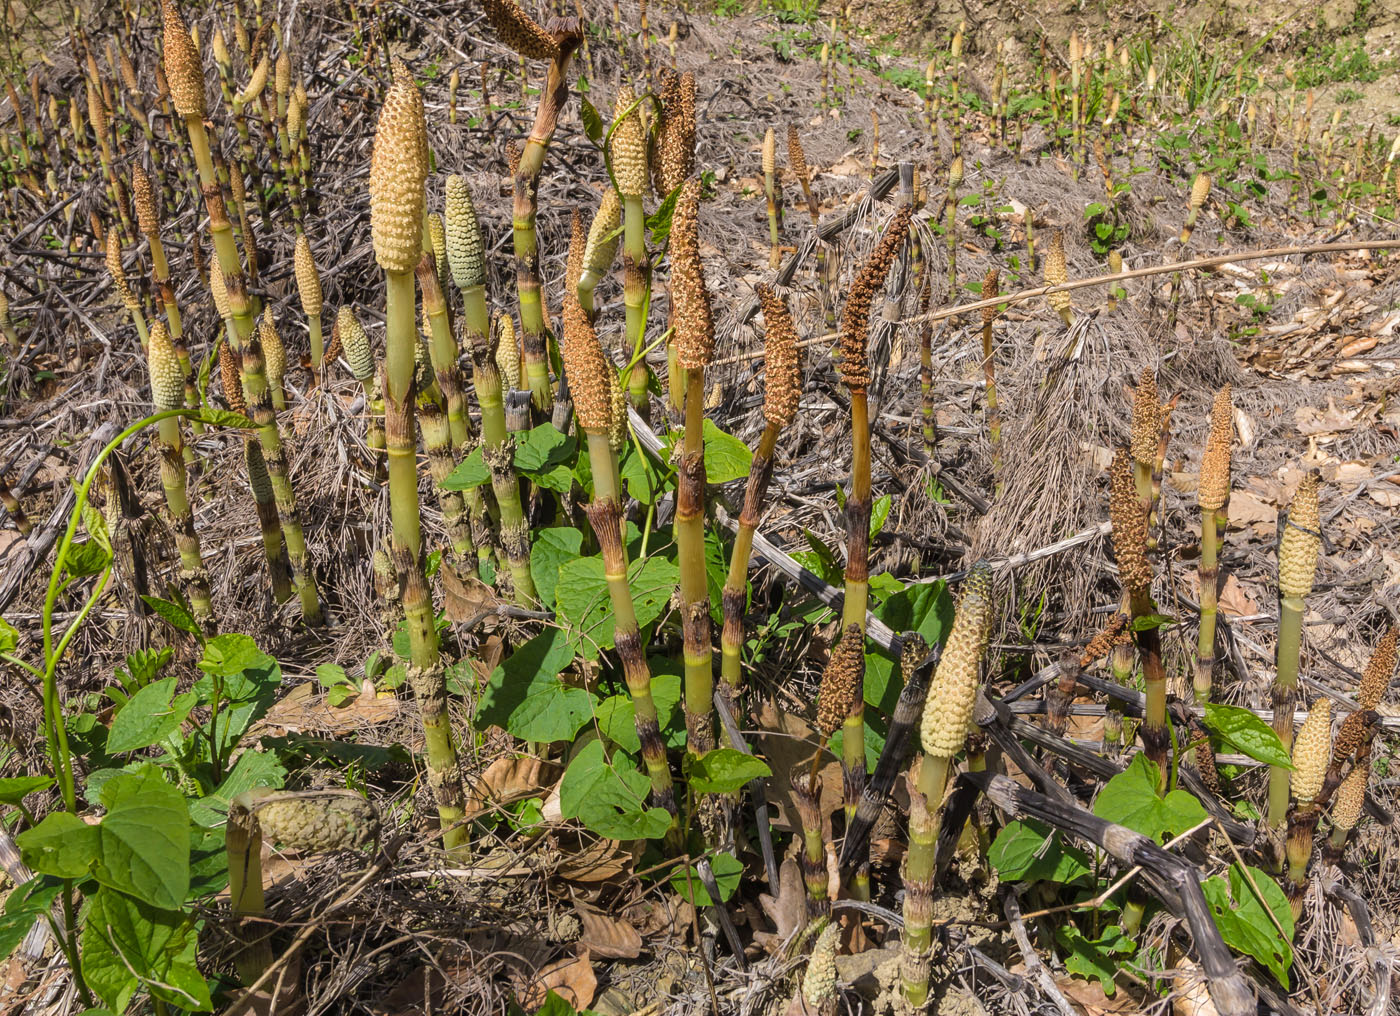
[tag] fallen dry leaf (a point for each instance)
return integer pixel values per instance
(600, 861)
(1089, 996)
(1247, 509)
(1386, 497)
(668, 916)
(607, 937)
(1234, 601)
(571, 978)
(467, 599)
(787, 911)
(505, 780)
(1325, 421)
(302, 710)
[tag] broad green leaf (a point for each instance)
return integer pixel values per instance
(617, 718)
(639, 475)
(821, 561)
(883, 585)
(609, 796)
(328, 675)
(879, 512)
(526, 697)
(724, 771)
(14, 789)
(174, 614)
(246, 677)
(1130, 799)
(25, 904)
(13, 929)
(225, 418)
(87, 558)
(1094, 959)
(9, 637)
(726, 457)
(581, 598)
(541, 451)
(470, 472)
(246, 672)
(592, 122)
(923, 607)
(144, 839)
(542, 447)
(1243, 922)
(62, 845)
(550, 550)
(127, 944)
(149, 717)
(659, 221)
(208, 862)
(1030, 852)
(1246, 733)
(727, 871)
(1147, 622)
(253, 769)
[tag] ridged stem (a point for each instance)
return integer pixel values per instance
(1156, 737)
(1208, 575)
(243, 844)
(736, 584)
(437, 443)
(926, 402)
(425, 662)
(257, 395)
(636, 271)
(265, 506)
(318, 349)
(444, 353)
(857, 590)
(255, 388)
(690, 548)
(1290, 637)
(774, 247)
(497, 448)
(605, 515)
(989, 373)
(919, 862)
(172, 477)
(527, 254)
